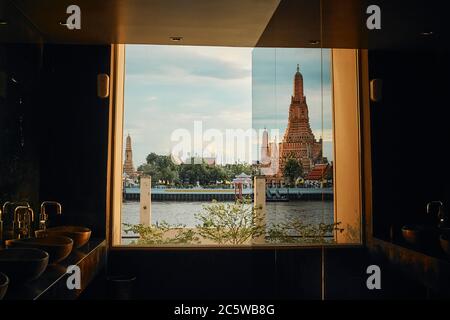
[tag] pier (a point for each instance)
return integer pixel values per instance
(191, 195)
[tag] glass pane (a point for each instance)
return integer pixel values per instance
(187, 127)
(292, 112)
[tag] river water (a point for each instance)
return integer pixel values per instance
(310, 212)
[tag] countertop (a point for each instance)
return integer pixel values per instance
(91, 258)
(431, 267)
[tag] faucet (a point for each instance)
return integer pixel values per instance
(5, 207)
(442, 217)
(23, 224)
(43, 216)
(7, 204)
(4, 213)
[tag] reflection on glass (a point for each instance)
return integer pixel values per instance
(292, 108)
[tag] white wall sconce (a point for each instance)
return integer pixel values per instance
(103, 85)
(376, 90)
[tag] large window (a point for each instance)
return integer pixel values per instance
(218, 146)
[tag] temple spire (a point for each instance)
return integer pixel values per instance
(128, 167)
(265, 147)
(298, 85)
(299, 141)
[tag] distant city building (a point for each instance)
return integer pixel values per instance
(269, 164)
(128, 167)
(265, 149)
(211, 161)
(298, 143)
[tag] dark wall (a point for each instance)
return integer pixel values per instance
(20, 75)
(346, 277)
(74, 143)
(227, 274)
(256, 274)
(410, 135)
(54, 130)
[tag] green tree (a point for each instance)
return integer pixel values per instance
(329, 174)
(151, 170)
(292, 170)
(293, 230)
(216, 173)
(193, 173)
(160, 168)
(230, 223)
(151, 158)
(161, 234)
(186, 175)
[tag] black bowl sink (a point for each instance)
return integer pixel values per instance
(445, 244)
(79, 235)
(23, 264)
(418, 235)
(4, 282)
(58, 248)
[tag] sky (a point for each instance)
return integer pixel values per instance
(171, 91)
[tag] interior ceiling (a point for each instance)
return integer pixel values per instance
(342, 24)
(199, 22)
(246, 23)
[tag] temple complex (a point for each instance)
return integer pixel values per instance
(298, 142)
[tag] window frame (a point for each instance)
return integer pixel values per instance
(115, 163)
